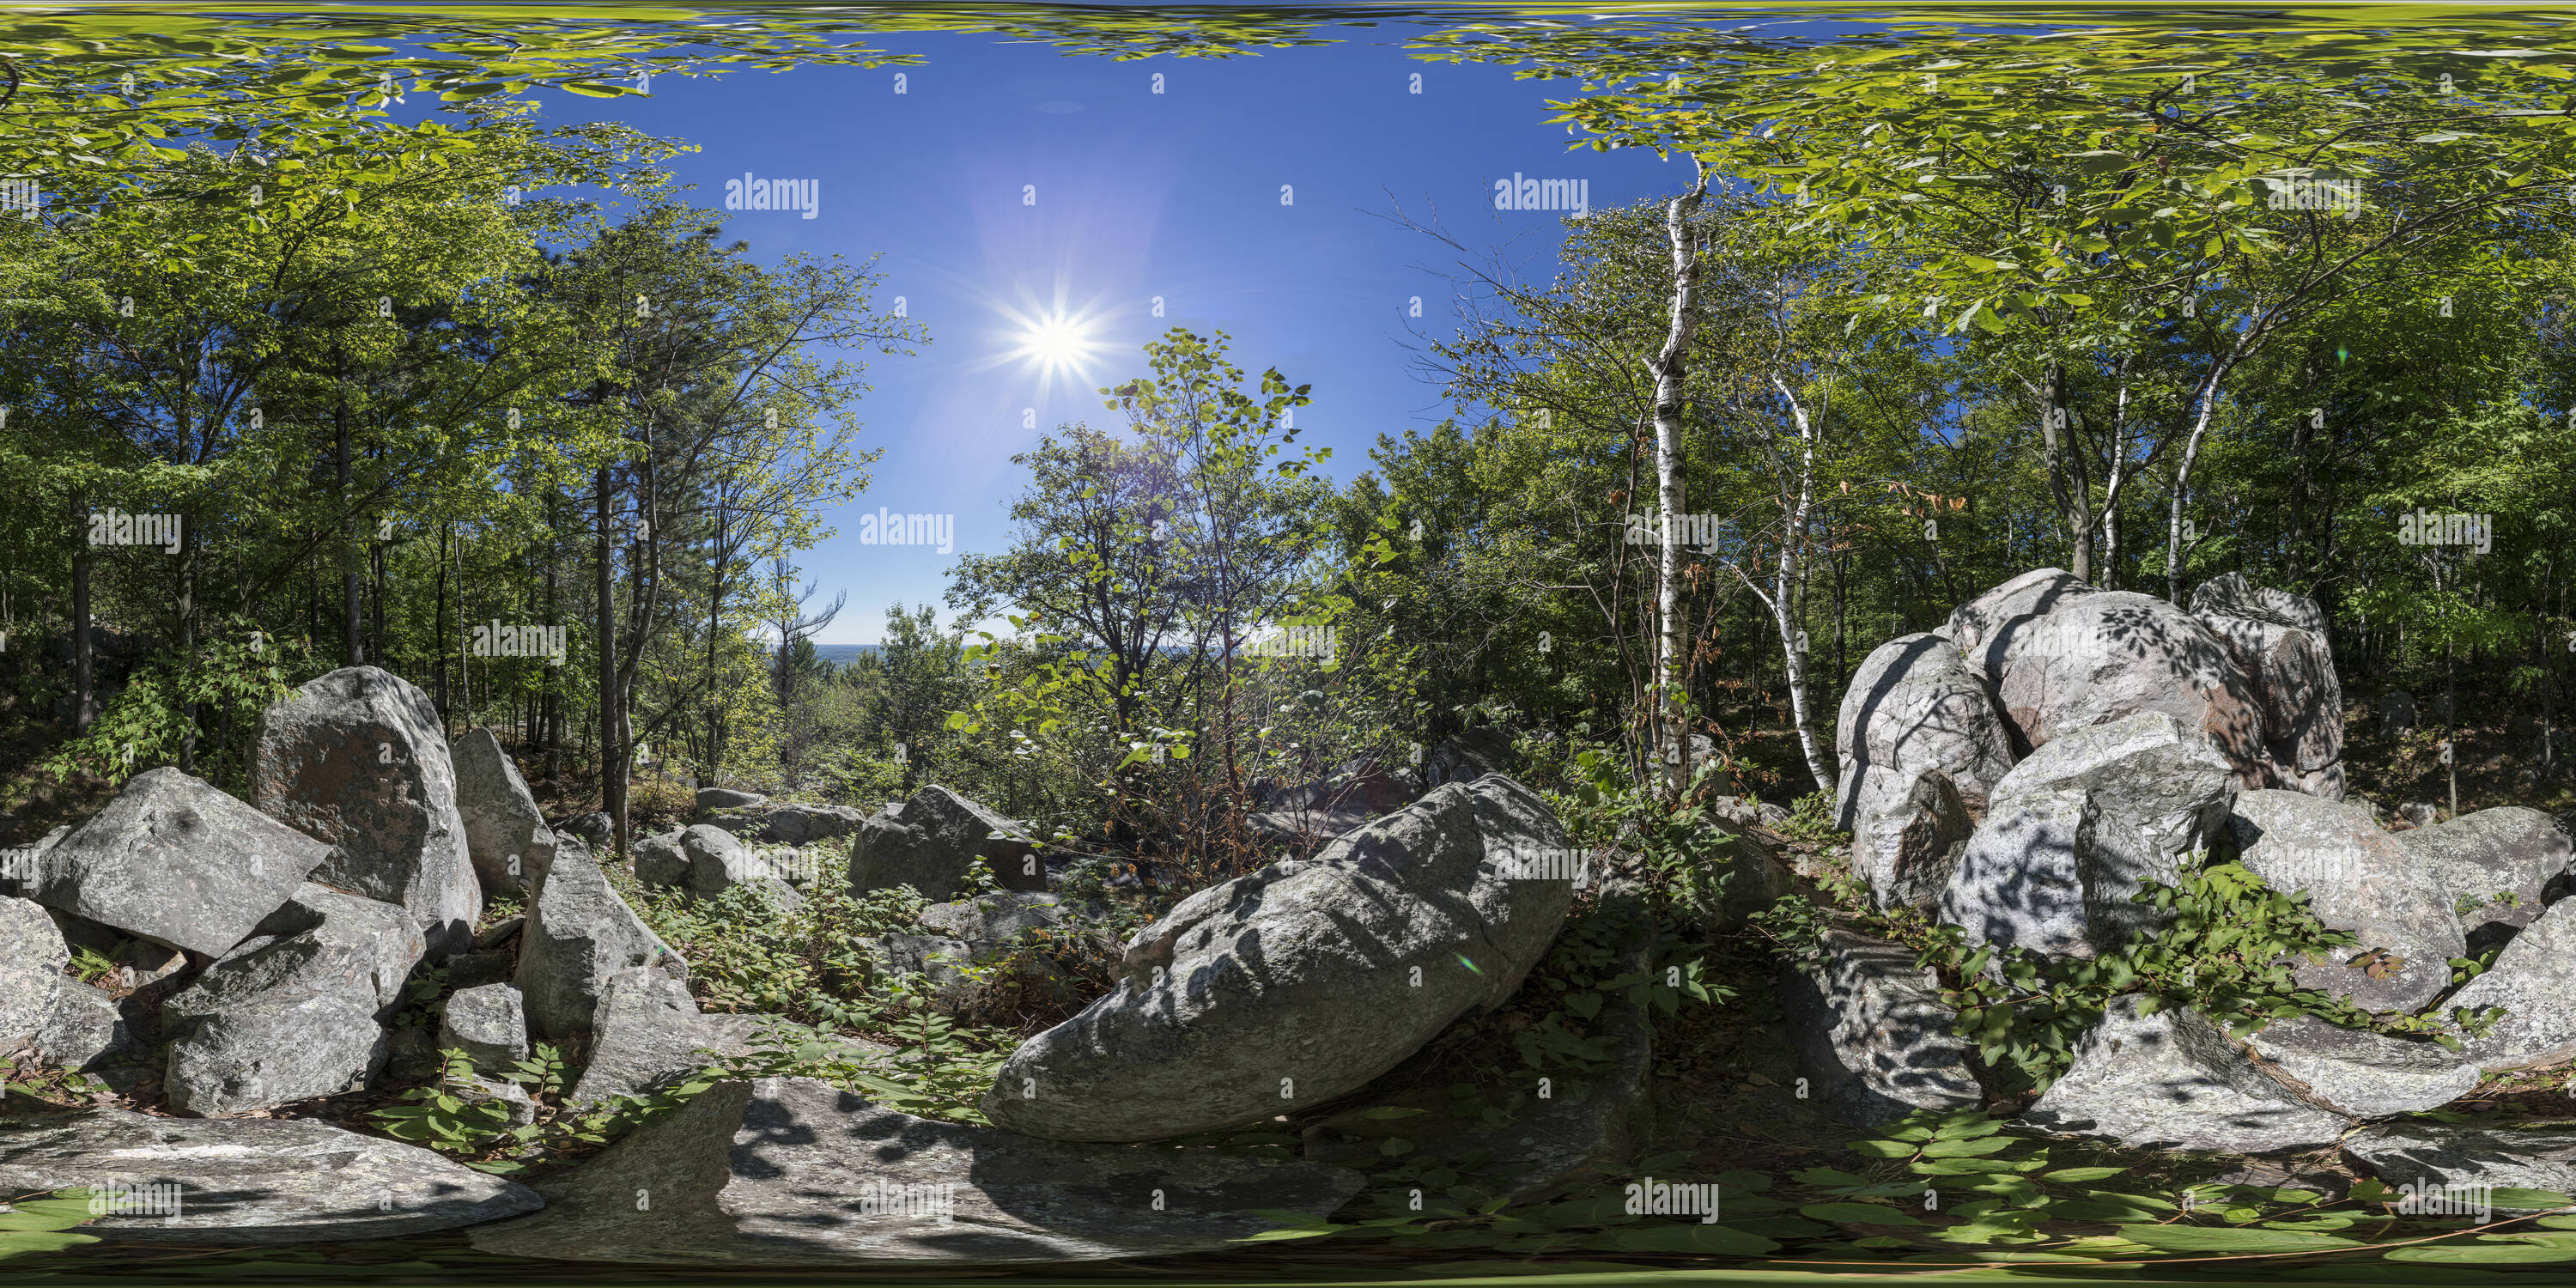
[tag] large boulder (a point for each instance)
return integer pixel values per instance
(488, 1023)
(356, 759)
(2458, 1159)
(2172, 1080)
(506, 837)
(794, 823)
(1989, 629)
(1872, 1031)
(790, 1171)
(997, 917)
(578, 934)
(648, 1034)
(2357, 878)
(1304, 980)
(727, 798)
(704, 861)
(2279, 641)
(2113, 654)
(1916, 705)
(245, 1180)
(2534, 980)
(2083, 824)
(68, 1022)
(176, 861)
(1906, 855)
(2356, 1072)
(929, 840)
(2496, 865)
(294, 1012)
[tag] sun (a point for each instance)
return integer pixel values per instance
(1058, 344)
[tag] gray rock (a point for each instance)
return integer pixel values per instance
(2498, 861)
(930, 841)
(2022, 880)
(942, 962)
(795, 1172)
(727, 798)
(1916, 704)
(294, 1012)
(356, 759)
(660, 862)
(2534, 980)
(1872, 1031)
(70, 1024)
(2172, 1080)
(790, 824)
(2420, 813)
(2396, 711)
(649, 1035)
(506, 837)
(249, 1180)
(997, 916)
(475, 970)
(175, 861)
(1906, 855)
(1988, 630)
(1468, 757)
(1304, 980)
(578, 934)
(595, 830)
(2428, 1156)
(717, 862)
(1755, 876)
(2279, 641)
(487, 1023)
(480, 1090)
(411, 1056)
(2365, 1075)
(504, 930)
(2357, 878)
(2114, 654)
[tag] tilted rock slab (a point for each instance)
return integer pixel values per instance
(649, 1034)
(790, 1171)
(356, 759)
(2502, 858)
(2350, 1071)
(176, 861)
(2534, 980)
(2079, 827)
(294, 1012)
(506, 837)
(1916, 704)
(929, 842)
(1989, 629)
(2359, 879)
(2172, 1080)
(1907, 854)
(2279, 641)
(249, 1180)
(2113, 654)
(2441, 1156)
(68, 1022)
(1306, 979)
(578, 934)
(1872, 1031)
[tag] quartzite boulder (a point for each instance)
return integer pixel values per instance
(1907, 854)
(356, 759)
(487, 1023)
(2279, 642)
(1306, 979)
(68, 1022)
(176, 861)
(2172, 1080)
(649, 1034)
(1914, 705)
(790, 824)
(2499, 862)
(727, 798)
(293, 1012)
(1872, 1031)
(506, 836)
(2534, 980)
(2113, 654)
(2350, 1071)
(2359, 879)
(247, 1180)
(928, 842)
(790, 1171)
(1989, 629)
(2021, 881)
(578, 934)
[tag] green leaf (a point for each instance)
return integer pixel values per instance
(2081, 1173)
(1858, 1213)
(2488, 1250)
(2203, 1238)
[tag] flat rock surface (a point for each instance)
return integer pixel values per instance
(176, 861)
(250, 1180)
(2431, 1155)
(2172, 1080)
(789, 1171)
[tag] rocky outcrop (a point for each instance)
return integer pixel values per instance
(175, 861)
(2362, 1074)
(929, 841)
(649, 1034)
(1872, 1032)
(2112, 654)
(2357, 878)
(789, 1171)
(355, 759)
(1906, 854)
(2170, 1079)
(506, 837)
(2496, 864)
(2534, 980)
(1306, 979)
(728, 798)
(2466, 1160)
(69, 1023)
(578, 934)
(2279, 641)
(1916, 705)
(1989, 629)
(246, 1180)
(294, 1011)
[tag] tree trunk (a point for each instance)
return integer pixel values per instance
(1668, 367)
(1785, 596)
(348, 542)
(84, 663)
(2208, 403)
(612, 760)
(2066, 477)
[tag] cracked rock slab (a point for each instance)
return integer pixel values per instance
(176, 861)
(2172, 1080)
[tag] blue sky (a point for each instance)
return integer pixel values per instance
(1137, 195)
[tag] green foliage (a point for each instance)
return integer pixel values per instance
(35, 1223)
(1811, 818)
(89, 966)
